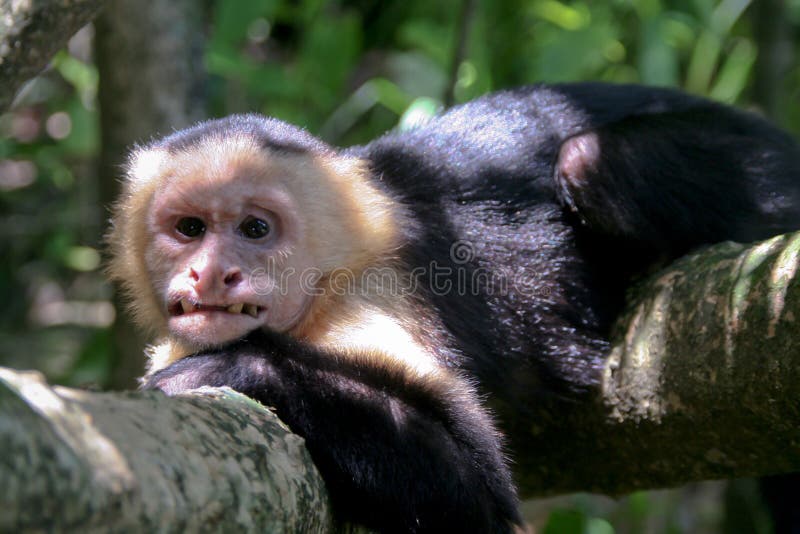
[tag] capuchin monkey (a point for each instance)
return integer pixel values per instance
(382, 297)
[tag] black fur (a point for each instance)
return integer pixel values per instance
(557, 233)
(397, 454)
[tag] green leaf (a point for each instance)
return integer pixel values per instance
(565, 522)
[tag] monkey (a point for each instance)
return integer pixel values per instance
(403, 304)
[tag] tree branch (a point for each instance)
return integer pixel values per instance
(31, 31)
(80, 461)
(702, 383)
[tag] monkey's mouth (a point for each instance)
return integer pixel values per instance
(185, 306)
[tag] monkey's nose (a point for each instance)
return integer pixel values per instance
(213, 279)
(232, 277)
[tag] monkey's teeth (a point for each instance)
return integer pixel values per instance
(251, 310)
(235, 308)
(186, 306)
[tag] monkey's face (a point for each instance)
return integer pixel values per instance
(223, 236)
(226, 254)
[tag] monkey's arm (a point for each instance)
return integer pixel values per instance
(398, 453)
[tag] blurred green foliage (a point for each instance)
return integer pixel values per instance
(347, 70)
(351, 70)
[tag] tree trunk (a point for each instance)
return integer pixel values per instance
(31, 32)
(772, 33)
(149, 57)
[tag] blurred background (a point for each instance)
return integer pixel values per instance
(347, 71)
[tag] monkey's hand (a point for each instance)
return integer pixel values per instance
(399, 453)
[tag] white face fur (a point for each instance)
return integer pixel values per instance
(220, 238)
(223, 256)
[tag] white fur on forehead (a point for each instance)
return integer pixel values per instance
(145, 164)
(156, 162)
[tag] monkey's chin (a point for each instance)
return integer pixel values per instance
(209, 329)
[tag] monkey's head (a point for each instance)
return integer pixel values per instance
(235, 225)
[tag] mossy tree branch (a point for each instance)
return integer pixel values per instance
(143, 462)
(702, 383)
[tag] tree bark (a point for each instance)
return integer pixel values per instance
(31, 31)
(143, 462)
(702, 382)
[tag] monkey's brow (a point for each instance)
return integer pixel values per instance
(187, 201)
(186, 198)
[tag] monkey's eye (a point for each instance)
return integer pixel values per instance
(190, 226)
(253, 228)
